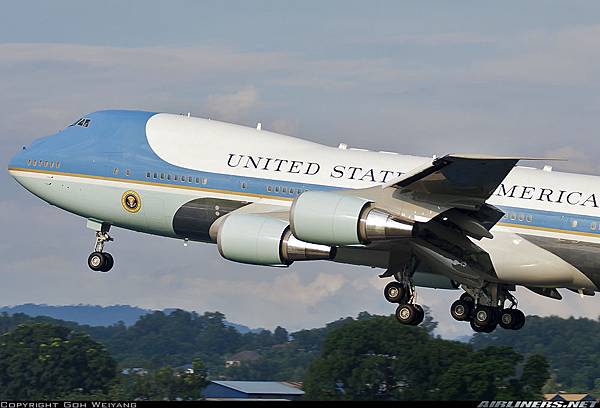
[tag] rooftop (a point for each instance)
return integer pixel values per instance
(261, 387)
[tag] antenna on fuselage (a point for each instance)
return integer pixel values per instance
(259, 126)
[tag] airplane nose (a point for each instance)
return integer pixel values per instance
(17, 161)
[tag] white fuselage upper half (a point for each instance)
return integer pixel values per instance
(217, 147)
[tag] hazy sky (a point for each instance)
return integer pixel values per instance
(426, 78)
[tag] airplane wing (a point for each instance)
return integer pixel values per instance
(447, 199)
(464, 181)
(455, 185)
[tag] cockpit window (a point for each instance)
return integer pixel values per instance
(83, 122)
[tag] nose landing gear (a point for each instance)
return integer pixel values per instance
(100, 261)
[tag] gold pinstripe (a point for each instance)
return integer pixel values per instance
(210, 190)
(149, 183)
(531, 227)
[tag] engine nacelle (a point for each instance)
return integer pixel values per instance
(262, 240)
(336, 219)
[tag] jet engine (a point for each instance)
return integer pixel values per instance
(336, 219)
(263, 240)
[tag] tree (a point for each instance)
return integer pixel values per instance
(379, 359)
(42, 361)
(162, 384)
(575, 360)
(536, 373)
(479, 375)
(280, 335)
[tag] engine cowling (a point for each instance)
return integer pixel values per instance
(262, 240)
(336, 219)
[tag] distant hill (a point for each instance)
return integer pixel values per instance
(159, 339)
(94, 315)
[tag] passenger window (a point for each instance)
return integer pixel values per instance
(197, 180)
(176, 177)
(58, 165)
(155, 175)
(116, 171)
(284, 189)
(162, 176)
(29, 162)
(277, 189)
(269, 188)
(35, 163)
(168, 177)
(521, 217)
(513, 216)
(593, 226)
(147, 174)
(189, 179)
(292, 190)
(46, 163)
(243, 184)
(529, 218)
(574, 223)
(51, 165)
(127, 172)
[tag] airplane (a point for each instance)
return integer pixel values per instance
(477, 224)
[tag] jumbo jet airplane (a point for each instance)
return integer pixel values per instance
(470, 222)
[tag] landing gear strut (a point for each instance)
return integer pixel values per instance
(100, 261)
(484, 309)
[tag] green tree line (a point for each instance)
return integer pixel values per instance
(368, 357)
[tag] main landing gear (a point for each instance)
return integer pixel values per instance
(100, 261)
(403, 293)
(484, 310)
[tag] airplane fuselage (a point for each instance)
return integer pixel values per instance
(176, 176)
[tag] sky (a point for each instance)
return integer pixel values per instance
(424, 78)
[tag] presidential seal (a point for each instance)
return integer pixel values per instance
(131, 201)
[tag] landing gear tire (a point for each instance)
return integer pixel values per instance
(420, 317)
(482, 329)
(100, 261)
(97, 261)
(484, 316)
(520, 320)
(512, 319)
(394, 292)
(508, 319)
(409, 314)
(476, 327)
(461, 310)
(109, 262)
(467, 298)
